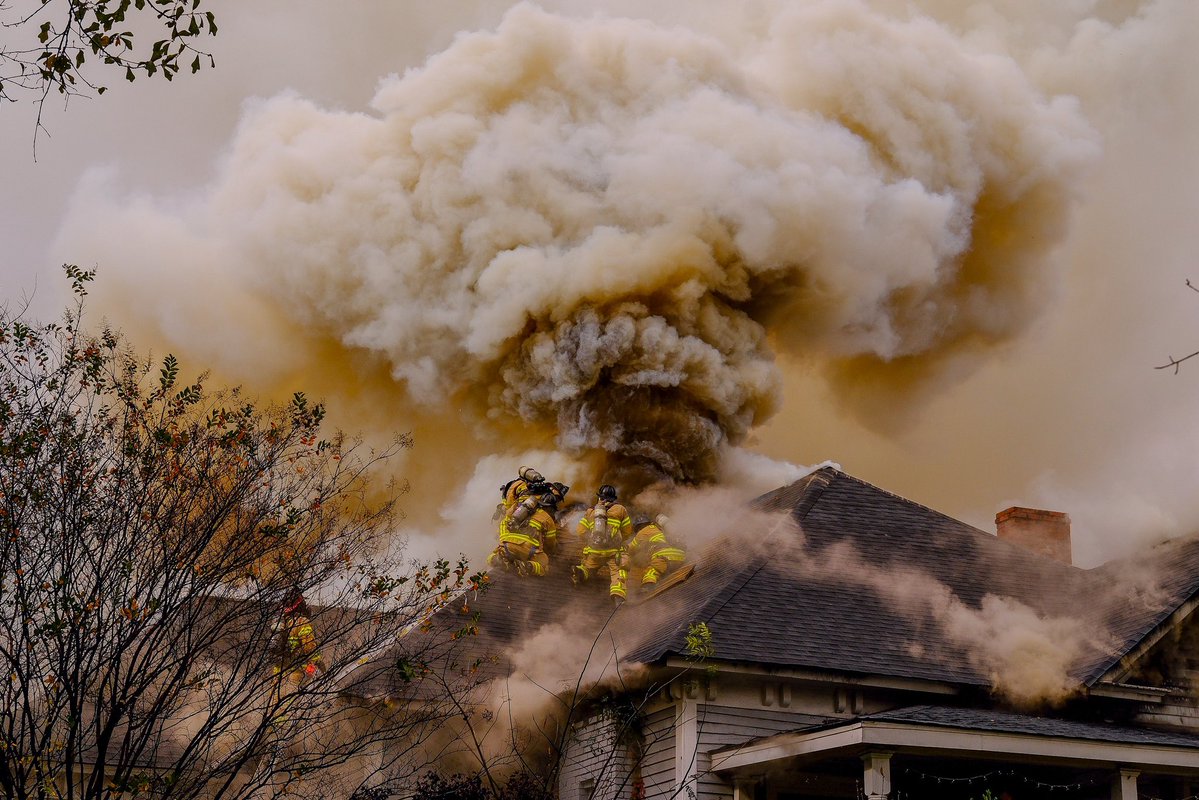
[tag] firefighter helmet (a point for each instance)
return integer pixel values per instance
(640, 521)
(607, 493)
(294, 604)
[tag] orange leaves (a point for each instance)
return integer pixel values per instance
(135, 612)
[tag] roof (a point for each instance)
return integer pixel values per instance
(1007, 722)
(821, 594)
(773, 611)
(820, 606)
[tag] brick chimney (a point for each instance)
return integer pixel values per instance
(1046, 533)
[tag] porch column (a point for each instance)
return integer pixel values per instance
(1124, 784)
(876, 776)
(743, 788)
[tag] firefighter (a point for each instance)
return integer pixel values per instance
(604, 529)
(521, 497)
(299, 656)
(527, 481)
(650, 549)
(559, 491)
(526, 546)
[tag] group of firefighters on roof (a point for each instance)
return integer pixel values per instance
(613, 539)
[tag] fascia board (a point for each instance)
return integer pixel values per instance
(831, 678)
(900, 737)
(1119, 671)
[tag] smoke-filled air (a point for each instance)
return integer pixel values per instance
(595, 235)
(615, 248)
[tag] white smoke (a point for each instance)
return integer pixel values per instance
(592, 233)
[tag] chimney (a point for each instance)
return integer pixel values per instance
(1046, 533)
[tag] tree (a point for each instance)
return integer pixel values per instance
(73, 35)
(1176, 363)
(191, 585)
(592, 718)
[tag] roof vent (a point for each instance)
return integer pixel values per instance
(1046, 533)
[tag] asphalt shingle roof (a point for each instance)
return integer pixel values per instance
(1005, 722)
(766, 605)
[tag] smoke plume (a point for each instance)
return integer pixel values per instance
(595, 234)
(1029, 650)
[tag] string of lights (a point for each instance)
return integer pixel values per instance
(1009, 774)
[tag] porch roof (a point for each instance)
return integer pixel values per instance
(975, 733)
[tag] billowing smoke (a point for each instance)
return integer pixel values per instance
(1029, 655)
(594, 234)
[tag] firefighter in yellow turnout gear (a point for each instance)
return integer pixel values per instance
(298, 650)
(525, 546)
(650, 549)
(604, 529)
(521, 497)
(298, 654)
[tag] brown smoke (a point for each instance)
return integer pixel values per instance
(593, 233)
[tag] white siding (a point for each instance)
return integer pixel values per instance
(657, 753)
(1173, 662)
(594, 754)
(721, 726)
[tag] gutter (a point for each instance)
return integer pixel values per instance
(815, 676)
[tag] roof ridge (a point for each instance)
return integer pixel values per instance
(818, 481)
(821, 476)
(910, 502)
(979, 531)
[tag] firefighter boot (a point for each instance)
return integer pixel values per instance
(577, 575)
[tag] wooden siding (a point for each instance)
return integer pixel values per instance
(1172, 663)
(594, 754)
(657, 755)
(722, 726)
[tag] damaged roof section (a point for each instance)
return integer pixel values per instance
(859, 581)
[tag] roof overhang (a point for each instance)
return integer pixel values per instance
(1128, 691)
(817, 676)
(932, 740)
(1123, 667)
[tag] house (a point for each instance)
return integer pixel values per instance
(859, 651)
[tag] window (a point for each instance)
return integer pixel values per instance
(587, 789)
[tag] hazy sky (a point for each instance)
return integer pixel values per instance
(1064, 412)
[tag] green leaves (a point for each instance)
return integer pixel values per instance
(79, 278)
(93, 27)
(698, 644)
(169, 372)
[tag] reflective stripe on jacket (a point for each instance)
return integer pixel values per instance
(539, 531)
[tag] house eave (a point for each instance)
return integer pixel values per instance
(820, 677)
(1121, 669)
(865, 735)
(1127, 691)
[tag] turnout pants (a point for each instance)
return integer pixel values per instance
(660, 563)
(532, 557)
(618, 574)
